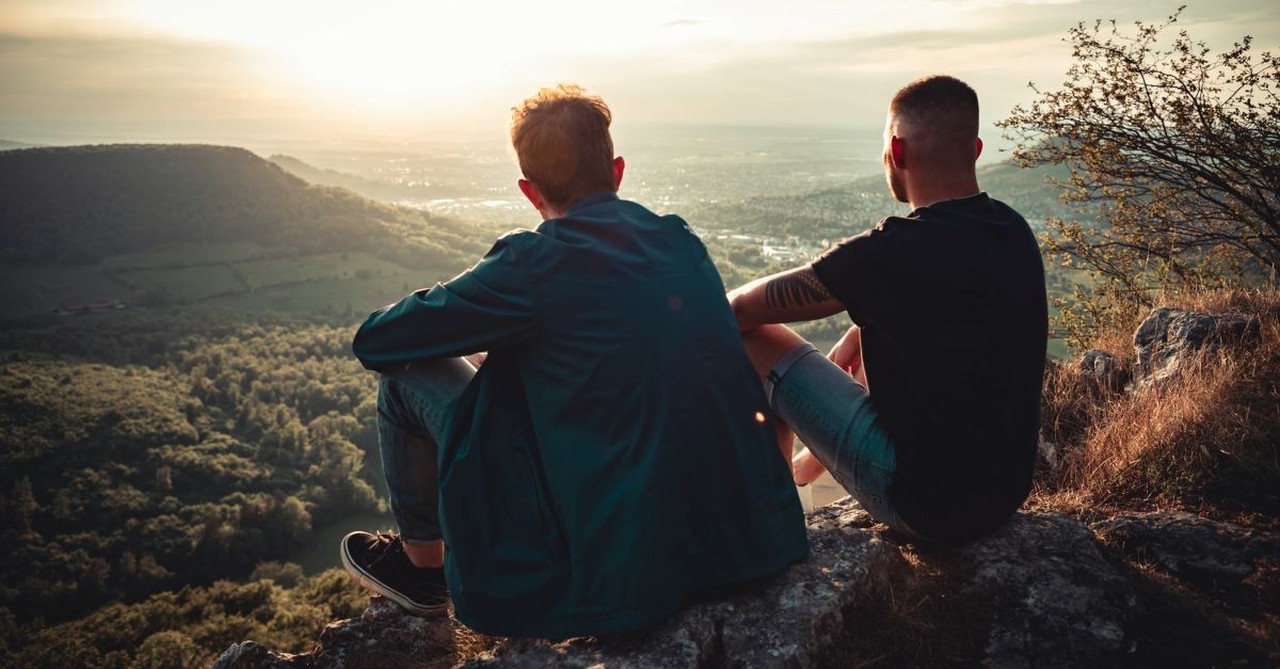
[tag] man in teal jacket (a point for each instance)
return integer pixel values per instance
(612, 455)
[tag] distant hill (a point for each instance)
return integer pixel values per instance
(385, 191)
(835, 213)
(1027, 189)
(824, 216)
(83, 204)
(9, 145)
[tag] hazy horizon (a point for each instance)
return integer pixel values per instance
(328, 70)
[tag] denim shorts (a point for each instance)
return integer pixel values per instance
(832, 414)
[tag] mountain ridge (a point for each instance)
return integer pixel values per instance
(84, 203)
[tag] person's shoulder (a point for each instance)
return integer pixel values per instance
(976, 208)
(519, 236)
(888, 225)
(857, 249)
(1002, 206)
(1007, 218)
(635, 210)
(980, 204)
(510, 245)
(887, 230)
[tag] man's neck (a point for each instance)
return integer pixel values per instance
(928, 191)
(549, 213)
(930, 203)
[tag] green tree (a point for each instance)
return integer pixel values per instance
(24, 505)
(1176, 147)
(169, 649)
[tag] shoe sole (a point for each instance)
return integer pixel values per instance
(383, 589)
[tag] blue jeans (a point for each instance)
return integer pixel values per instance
(832, 414)
(412, 405)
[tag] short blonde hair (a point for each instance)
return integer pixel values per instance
(561, 138)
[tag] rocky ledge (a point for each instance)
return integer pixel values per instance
(1045, 591)
(1148, 589)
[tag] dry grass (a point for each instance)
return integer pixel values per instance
(469, 644)
(919, 625)
(1205, 441)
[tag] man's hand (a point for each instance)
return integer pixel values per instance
(805, 468)
(847, 353)
(476, 359)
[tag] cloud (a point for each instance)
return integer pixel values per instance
(698, 70)
(998, 48)
(127, 76)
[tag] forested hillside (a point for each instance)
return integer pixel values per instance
(151, 454)
(204, 427)
(83, 204)
(165, 226)
(124, 479)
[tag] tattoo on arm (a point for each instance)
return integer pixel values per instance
(796, 288)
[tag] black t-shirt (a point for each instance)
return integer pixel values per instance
(951, 302)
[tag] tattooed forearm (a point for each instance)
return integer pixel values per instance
(797, 288)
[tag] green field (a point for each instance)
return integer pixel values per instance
(185, 284)
(26, 291)
(342, 295)
(239, 277)
(331, 266)
(184, 255)
(248, 277)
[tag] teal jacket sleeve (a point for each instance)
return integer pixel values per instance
(488, 306)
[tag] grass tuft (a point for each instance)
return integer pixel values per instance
(1203, 441)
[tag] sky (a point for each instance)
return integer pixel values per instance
(179, 70)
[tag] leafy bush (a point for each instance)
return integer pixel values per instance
(1178, 149)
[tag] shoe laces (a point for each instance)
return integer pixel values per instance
(384, 545)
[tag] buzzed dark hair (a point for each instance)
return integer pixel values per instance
(945, 109)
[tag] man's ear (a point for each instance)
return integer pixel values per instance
(898, 151)
(619, 165)
(977, 147)
(532, 194)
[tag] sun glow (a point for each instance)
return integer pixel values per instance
(398, 53)
(409, 67)
(384, 54)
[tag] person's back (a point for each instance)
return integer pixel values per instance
(953, 339)
(658, 475)
(612, 455)
(929, 414)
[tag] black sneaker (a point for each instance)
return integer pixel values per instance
(378, 562)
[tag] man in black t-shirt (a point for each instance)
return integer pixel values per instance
(927, 410)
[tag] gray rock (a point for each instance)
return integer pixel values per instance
(384, 636)
(1048, 453)
(1039, 592)
(1053, 600)
(1195, 550)
(1103, 370)
(785, 621)
(1169, 338)
(250, 654)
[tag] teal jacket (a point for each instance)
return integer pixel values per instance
(612, 456)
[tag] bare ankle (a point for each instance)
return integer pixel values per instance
(425, 554)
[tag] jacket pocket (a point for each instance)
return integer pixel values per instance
(506, 549)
